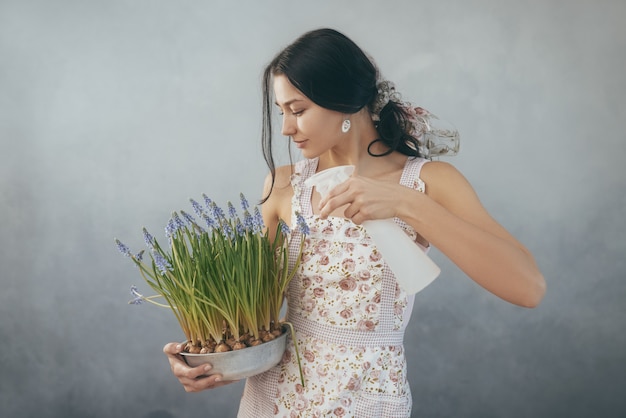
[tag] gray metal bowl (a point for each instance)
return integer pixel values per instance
(239, 364)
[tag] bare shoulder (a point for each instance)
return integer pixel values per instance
(434, 169)
(281, 182)
(448, 187)
(444, 181)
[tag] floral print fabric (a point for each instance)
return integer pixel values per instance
(349, 315)
(340, 280)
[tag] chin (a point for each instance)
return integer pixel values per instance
(308, 154)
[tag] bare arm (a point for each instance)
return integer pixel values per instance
(451, 217)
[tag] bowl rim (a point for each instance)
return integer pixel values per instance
(286, 332)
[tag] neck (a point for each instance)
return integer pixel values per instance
(353, 148)
(364, 164)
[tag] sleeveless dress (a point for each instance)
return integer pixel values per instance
(349, 317)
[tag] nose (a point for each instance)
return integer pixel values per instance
(289, 126)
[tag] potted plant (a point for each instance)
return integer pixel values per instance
(224, 281)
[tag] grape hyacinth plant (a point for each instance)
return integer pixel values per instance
(223, 276)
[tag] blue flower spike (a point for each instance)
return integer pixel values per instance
(178, 223)
(241, 230)
(232, 212)
(197, 208)
(209, 221)
(170, 229)
(190, 220)
(258, 220)
(284, 228)
(207, 201)
(248, 221)
(123, 248)
(139, 255)
(148, 238)
(302, 225)
(244, 202)
(162, 264)
(137, 297)
(218, 213)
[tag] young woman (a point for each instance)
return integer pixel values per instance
(347, 308)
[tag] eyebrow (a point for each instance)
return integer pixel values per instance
(287, 103)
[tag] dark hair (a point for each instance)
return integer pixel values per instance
(334, 73)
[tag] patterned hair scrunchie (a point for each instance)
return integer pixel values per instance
(435, 137)
(386, 92)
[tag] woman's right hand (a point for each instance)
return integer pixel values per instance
(193, 379)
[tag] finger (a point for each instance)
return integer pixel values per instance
(203, 383)
(201, 371)
(350, 212)
(331, 205)
(357, 218)
(195, 379)
(336, 202)
(200, 378)
(335, 191)
(173, 349)
(179, 366)
(210, 382)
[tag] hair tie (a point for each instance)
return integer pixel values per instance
(386, 92)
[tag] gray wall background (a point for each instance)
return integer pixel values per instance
(113, 113)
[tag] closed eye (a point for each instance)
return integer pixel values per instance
(288, 105)
(298, 113)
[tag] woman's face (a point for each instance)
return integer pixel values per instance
(312, 128)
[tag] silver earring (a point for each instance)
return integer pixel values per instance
(345, 126)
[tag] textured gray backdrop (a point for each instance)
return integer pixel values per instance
(113, 113)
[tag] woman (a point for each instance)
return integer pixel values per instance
(347, 309)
